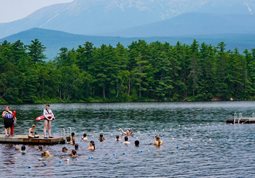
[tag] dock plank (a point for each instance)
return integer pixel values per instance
(243, 120)
(24, 139)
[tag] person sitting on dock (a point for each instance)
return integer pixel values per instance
(32, 133)
(49, 116)
(158, 142)
(9, 118)
(92, 146)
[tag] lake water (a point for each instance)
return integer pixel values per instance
(197, 142)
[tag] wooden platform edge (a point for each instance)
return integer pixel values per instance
(241, 121)
(22, 139)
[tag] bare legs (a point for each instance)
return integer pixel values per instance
(7, 131)
(47, 126)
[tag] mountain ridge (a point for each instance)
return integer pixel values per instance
(104, 17)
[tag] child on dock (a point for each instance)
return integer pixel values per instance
(32, 133)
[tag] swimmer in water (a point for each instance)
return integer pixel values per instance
(84, 137)
(92, 146)
(23, 149)
(101, 137)
(73, 154)
(64, 150)
(72, 139)
(76, 146)
(40, 148)
(137, 143)
(46, 154)
(118, 138)
(128, 132)
(158, 142)
(126, 142)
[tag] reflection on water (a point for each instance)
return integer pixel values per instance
(197, 142)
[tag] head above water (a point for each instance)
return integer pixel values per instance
(101, 137)
(126, 138)
(23, 148)
(117, 137)
(92, 144)
(74, 152)
(137, 143)
(64, 149)
(45, 154)
(72, 134)
(157, 137)
(40, 148)
(84, 135)
(76, 146)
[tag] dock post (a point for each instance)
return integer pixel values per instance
(240, 117)
(235, 117)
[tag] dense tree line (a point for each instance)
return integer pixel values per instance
(140, 72)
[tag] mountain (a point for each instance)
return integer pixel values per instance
(101, 17)
(111, 17)
(191, 24)
(54, 40)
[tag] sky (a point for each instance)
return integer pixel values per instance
(11, 10)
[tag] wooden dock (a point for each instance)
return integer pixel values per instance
(23, 139)
(243, 120)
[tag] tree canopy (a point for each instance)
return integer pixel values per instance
(139, 72)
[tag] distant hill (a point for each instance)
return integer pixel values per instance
(54, 40)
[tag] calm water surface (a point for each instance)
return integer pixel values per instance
(197, 142)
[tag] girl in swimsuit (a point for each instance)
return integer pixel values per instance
(49, 116)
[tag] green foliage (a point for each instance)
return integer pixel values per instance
(140, 72)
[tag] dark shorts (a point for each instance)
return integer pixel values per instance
(8, 123)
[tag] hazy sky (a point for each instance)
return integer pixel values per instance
(15, 9)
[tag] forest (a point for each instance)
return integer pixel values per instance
(136, 73)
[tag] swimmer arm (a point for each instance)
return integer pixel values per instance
(120, 129)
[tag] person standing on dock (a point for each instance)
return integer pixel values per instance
(9, 118)
(49, 116)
